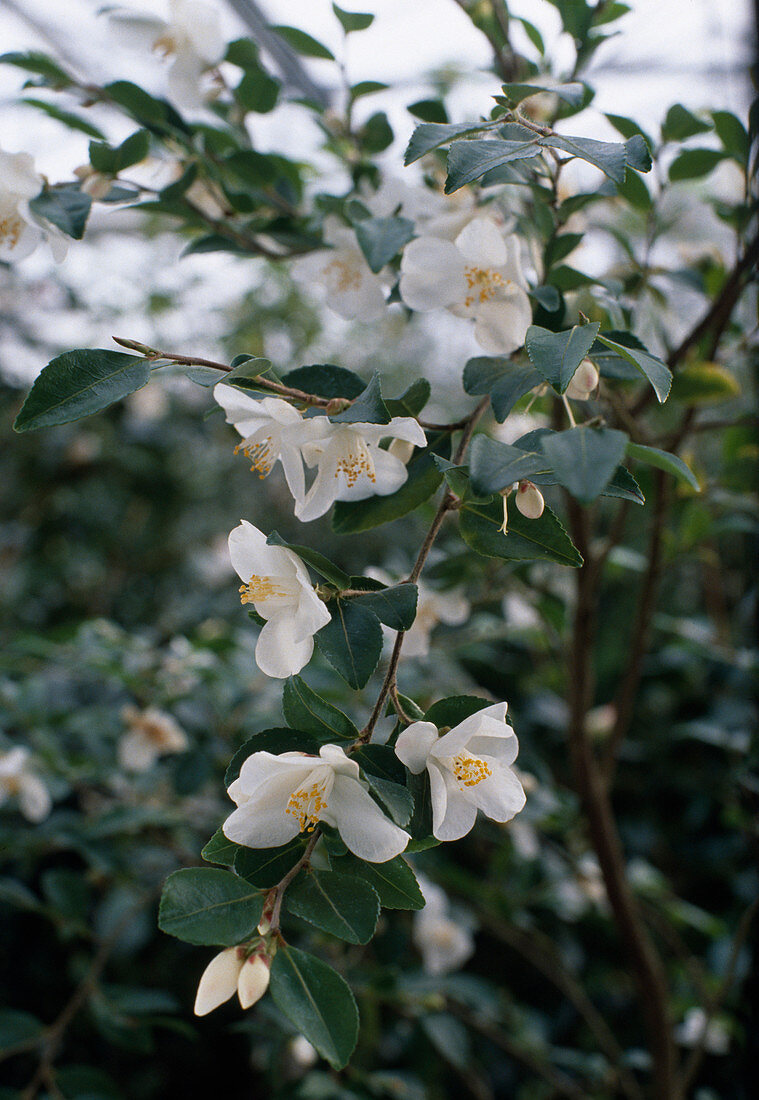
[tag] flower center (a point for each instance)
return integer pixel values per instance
(343, 276)
(306, 805)
(10, 230)
(260, 588)
(483, 284)
(260, 452)
(355, 462)
(166, 44)
(469, 770)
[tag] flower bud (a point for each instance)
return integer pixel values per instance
(583, 381)
(402, 449)
(93, 183)
(253, 980)
(529, 500)
(219, 980)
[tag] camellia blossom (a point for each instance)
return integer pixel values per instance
(478, 275)
(529, 500)
(273, 431)
(352, 289)
(276, 582)
(279, 797)
(151, 733)
(17, 778)
(191, 37)
(351, 465)
(469, 769)
(445, 944)
(233, 971)
(20, 231)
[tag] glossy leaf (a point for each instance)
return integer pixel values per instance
(351, 641)
(382, 238)
(204, 905)
(220, 849)
(367, 408)
(305, 710)
(470, 160)
(325, 380)
(65, 207)
(394, 606)
(317, 1001)
(495, 466)
(657, 373)
(430, 135)
(386, 777)
(412, 401)
(394, 881)
(342, 905)
(321, 565)
(353, 20)
(573, 93)
(453, 710)
(557, 355)
(663, 460)
(541, 539)
(503, 379)
(79, 383)
(265, 867)
(585, 459)
(303, 43)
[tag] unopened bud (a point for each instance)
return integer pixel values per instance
(218, 981)
(402, 449)
(254, 980)
(337, 405)
(530, 500)
(583, 381)
(93, 183)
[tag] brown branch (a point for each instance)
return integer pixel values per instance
(282, 885)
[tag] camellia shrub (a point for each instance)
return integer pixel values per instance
(322, 782)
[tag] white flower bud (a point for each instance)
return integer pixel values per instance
(530, 500)
(583, 381)
(253, 980)
(218, 981)
(402, 449)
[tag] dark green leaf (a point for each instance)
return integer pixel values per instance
(351, 641)
(412, 401)
(367, 87)
(342, 905)
(266, 867)
(609, 156)
(305, 710)
(79, 383)
(637, 154)
(317, 1002)
(624, 485)
(258, 91)
(628, 128)
(430, 135)
(453, 710)
(325, 380)
(220, 849)
(663, 460)
(386, 777)
(694, 163)
(560, 247)
(376, 134)
(367, 408)
(276, 740)
(382, 238)
(495, 466)
(244, 53)
(733, 135)
(394, 606)
(204, 905)
(394, 881)
(155, 114)
(111, 160)
(547, 297)
(68, 118)
(657, 373)
(428, 110)
(39, 63)
(303, 43)
(541, 539)
(503, 379)
(573, 94)
(423, 479)
(681, 123)
(469, 160)
(67, 208)
(585, 459)
(317, 561)
(557, 355)
(353, 20)
(17, 1028)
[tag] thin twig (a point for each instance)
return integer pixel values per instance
(282, 885)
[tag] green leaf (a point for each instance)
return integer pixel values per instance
(386, 777)
(68, 118)
(453, 710)
(382, 238)
(79, 383)
(561, 246)
(692, 164)
(204, 905)
(111, 160)
(541, 539)
(321, 565)
(65, 207)
(609, 156)
(376, 134)
(428, 110)
(423, 479)
(267, 866)
(624, 486)
(430, 135)
(469, 160)
(585, 459)
(394, 881)
(628, 128)
(705, 384)
(394, 606)
(276, 740)
(303, 43)
(681, 123)
(353, 20)
(317, 1001)
(657, 373)
(412, 401)
(40, 64)
(503, 379)
(663, 460)
(367, 87)
(574, 93)
(637, 154)
(733, 135)
(18, 1028)
(342, 905)
(220, 849)
(557, 355)
(156, 115)
(244, 53)
(367, 408)
(305, 710)
(258, 91)
(325, 380)
(495, 466)
(351, 641)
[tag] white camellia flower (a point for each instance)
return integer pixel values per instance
(280, 796)
(233, 971)
(478, 276)
(444, 943)
(276, 582)
(469, 769)
(152, 733)
(273, 431)
(191, 37)
(20, 230)
(351, 465)
(352, 289)
(17, 778)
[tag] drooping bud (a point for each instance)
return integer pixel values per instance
(253, 980)
(505, 495)
(530, 500)
(583, 381)
(219, 980)
(402, 449)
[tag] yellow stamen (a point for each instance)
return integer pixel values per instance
(10, 230)
(259, 588)
(306, 806)
(259, 453)
(355, 463)
(469, 770)
(484, 282)
(347, 276)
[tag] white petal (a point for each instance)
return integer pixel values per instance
(218, 981)
(253, 981)
(363, 827)
(500, 796)
(136, 753)
(185, 80)
(400, 427)
(200, 22)
(335, 756)
(481, 242)
(261, 767)
(250, 555)
(389, 474)
(261, 822)
(432, 274)
(453, 813)
(310, 615)
(502, 323)
(322, 494)
(292, 465)
(491, 718)
(413, 745)
(280, 652)
(135, 30)
(34, 798)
